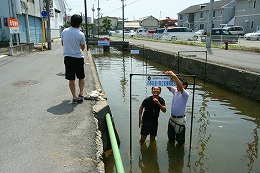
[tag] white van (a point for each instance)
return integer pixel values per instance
(141, 32)
(178, 33)
(235, 30)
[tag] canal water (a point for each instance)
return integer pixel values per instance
(225, 127)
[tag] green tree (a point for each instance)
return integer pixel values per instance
(67, 24)
(106, 24)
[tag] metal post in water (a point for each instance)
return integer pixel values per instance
(131, 116)
(194, 77)
(178, 62)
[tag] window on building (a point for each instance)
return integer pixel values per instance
(201, 15)
(254, 4)
(0, 22)
(252, 24)
(214, 13)
(181, 17)
(201, 26)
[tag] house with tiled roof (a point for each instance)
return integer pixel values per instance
(196, 17)
(149, 22)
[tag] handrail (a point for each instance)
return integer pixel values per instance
(116, 153)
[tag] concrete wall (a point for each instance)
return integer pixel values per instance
(101, 108)
(22, 48)
(241, 82)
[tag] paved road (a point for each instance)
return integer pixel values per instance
(40, 131)
(244, 60)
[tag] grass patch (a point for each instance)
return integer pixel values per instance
(194, 43)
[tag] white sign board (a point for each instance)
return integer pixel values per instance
(103, 43)
(134, 52)
(160, 81)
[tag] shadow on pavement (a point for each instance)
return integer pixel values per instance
(64, 108)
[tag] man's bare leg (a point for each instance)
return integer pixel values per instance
(73, 89)
(81, 86)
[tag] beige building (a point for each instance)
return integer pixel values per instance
(149, 22)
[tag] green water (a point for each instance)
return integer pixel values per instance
(225, 125)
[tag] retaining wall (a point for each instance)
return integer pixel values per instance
(236, 80)
(101, 108)
(22, 48)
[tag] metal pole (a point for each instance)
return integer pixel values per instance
(93, 10)
(48, 24)
(209, 28)
(131, 116)
(43, 35)
(98, 19)
(160, 20)
(194, 77)
(86, 22)
(123, 21)
(178, 62)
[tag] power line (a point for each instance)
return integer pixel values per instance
(119, 8)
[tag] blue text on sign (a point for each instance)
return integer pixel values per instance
(160, 81)
(103, 43)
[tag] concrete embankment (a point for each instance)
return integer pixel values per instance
(100, 109)
(243, 82)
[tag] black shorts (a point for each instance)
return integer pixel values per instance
(149, 128)
(74, 67)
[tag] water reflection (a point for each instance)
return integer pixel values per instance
(148, 156)
(175, 157)
(225, 127)
(123, 78)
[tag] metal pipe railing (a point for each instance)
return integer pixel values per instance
(116, 153)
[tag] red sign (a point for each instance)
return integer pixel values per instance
(13, 25)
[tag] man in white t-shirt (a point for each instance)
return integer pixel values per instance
(177, 120)
(73, 42)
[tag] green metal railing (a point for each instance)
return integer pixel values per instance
(116, 153)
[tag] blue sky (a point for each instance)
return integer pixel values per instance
(134, 9)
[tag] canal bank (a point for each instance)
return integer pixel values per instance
(218, 117)
(227, 73)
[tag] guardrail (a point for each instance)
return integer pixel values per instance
(116, 153)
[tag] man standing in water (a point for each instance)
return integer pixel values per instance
(73, 40)
(149, 121)
(177, 121)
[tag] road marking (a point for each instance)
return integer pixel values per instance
(1, 56)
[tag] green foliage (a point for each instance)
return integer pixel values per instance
(195, 43)
(106, 24)
(67, 24)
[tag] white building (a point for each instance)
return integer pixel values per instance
(28, 13)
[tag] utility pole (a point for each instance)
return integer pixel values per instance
(123, 24)
(98, 9)
(86, 22)
(209, 28)
(93, 10)
(160, 20)
(48, 24)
